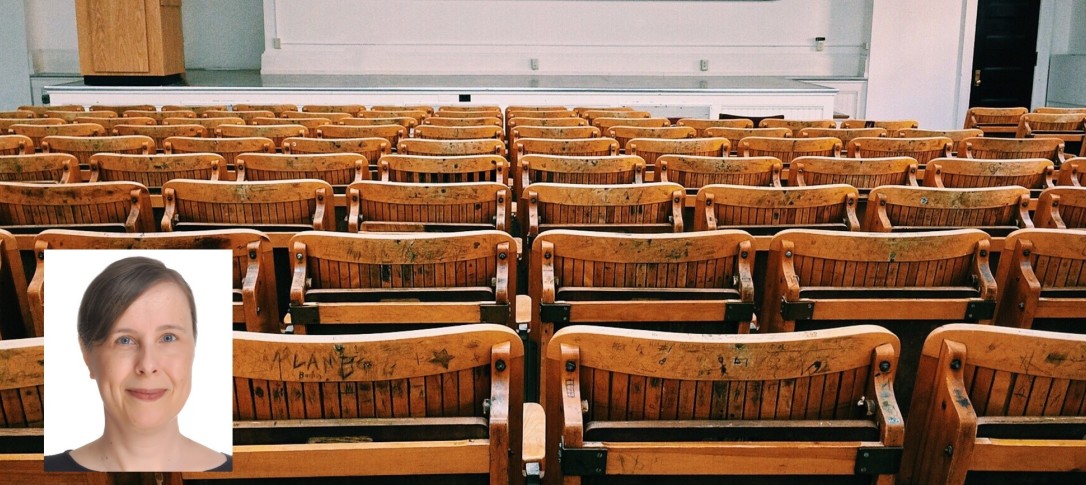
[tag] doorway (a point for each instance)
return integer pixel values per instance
(1004, 53)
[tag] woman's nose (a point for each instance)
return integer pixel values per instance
(146, 363)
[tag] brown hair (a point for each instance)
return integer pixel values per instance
(115, 288)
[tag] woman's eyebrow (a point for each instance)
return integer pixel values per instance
(160, 328)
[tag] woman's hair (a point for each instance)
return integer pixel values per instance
(114, 290)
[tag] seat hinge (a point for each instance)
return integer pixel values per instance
(582, 462)
(879, 460)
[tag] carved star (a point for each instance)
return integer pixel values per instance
(442, 358)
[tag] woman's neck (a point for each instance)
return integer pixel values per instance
(122, 449)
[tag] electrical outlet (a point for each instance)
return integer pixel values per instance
(277, 43)
(704, 64)
(535, 63)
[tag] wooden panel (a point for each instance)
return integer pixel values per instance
(118, 40)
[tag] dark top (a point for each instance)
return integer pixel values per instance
(63, 462)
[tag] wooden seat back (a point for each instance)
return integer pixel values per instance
(158, 116)
(844, 134)
(419, 115)
(425, 108)
(1073, 173)
(996, 148)
(522, 109)
(593, 114)
(246, 115)
(467, 114)
(677, 404)
(532, 119)
(198, 109)
(796, 125)
(623, 134)
(1032, 173)
(735, 135)
(6, 123)
(694, 172)
(606, 123)
(451, 147)
(862, 173)
(1062, 208)
(406, 122)
(391, 132)
(413, 207)
(769, 210)
(891, 126)
(228, 148)
(702, 124)
(276, 133)
(997, 210)
(1069, 127)
(785, 149)
(350, 109)
(37, 132)
(580, 110)
(277, 109)
(996, 399)
(28, 209)
(40, 111)
(639, 208)
(652, 148)
(111, 124)
(435, 132)
(473, 121)
(402, 279)
(20, 114)
(372, 148)
(338, 169)
(942, 276)
(255, 308)
(121, 109)
(1041, 276)
(70, 116)
(429, 169)
(310, 124)
(1056, 110)
(159, 133)
(453, 393)
(209, 124)
(999, 121)
(22, 425)
(606, 169)
(529, 131)
(922, 149)
(60, 168)
(16, 320)
(332, 117)
(15, 144)
(460, 108)
(279, 208)
(955, 136)
(155, 170)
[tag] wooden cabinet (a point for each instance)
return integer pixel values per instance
(129, 39)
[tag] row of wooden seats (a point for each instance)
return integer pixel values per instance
(634, 402)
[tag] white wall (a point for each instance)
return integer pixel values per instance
(218, 34)
(916, 66)
(15, 70)
(567, 37)
(1067, 70)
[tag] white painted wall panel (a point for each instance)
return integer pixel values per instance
(15, 70)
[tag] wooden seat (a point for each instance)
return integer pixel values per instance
(956, 136)
(388, 112)
(735, 135)
(451, 147)
(371, 148)
(278, 109)
(40, 111)
(83, 147)
(16, 321)
(6, 123)
(460, 108)
(37, 133)
(702, 124)
(512, 124)
(1032, 173)
(443, 169)
(351, 109)
(891, 126)
(393, 132)
(406, 122)
(27, 209)
(60, 168)
(1062, 208)
(1073, 172)
(592, 114)
(997, 210)
(994, 121)
(554, 132)
(245, 115)
(402, 279)
(413, 207)
(923, 150)
(310, 124)
(665, 406)
(769, 210)
(637, 208)
(255, 308)
(228, 148)
(796, 125)
(159, 133)
(1055, 110)
(121, 109)
(1070, 127)
(404, 400)
(467, 114)
(210, 124)
(1041, 277)
(300, 116)
(154, 170)
(338, 169)
(22, 428)
(996, 400)
(694, 172)
(111, 124)
(425, 108)
(18, 114)
(277, 208)
(652, 148)
(844, 134)
(607, 122)
(459, 121)
(511, 109)
(276, 133)
(70, 116)
(623, 134)
(16, 145)
(158, 116)
(1009, 148)
(786, 149)
(606, 169)
(198, 109)
(435, 132)
(862, 173)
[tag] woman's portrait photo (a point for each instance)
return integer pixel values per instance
(138, 360)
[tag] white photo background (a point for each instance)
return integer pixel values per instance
(73, 406)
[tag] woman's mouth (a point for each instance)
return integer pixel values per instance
(146, 394)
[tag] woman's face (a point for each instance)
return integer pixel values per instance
(144, 367)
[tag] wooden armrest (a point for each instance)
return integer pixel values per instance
(535, 433)
(524, 310)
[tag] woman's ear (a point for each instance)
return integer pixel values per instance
(87, 360)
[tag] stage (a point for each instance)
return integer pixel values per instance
(668, 96)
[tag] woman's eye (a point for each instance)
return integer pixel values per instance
(169, 338)
(125, 340)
